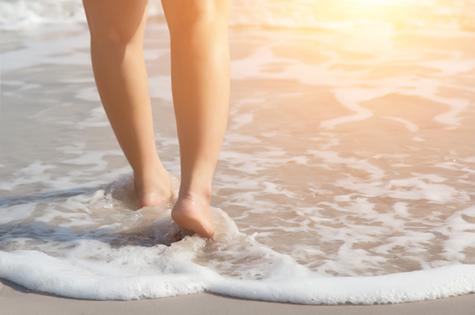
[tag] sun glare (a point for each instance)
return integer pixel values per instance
(380, 11)
(380, 2)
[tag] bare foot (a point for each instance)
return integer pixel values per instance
(191, 212)
(153, 189)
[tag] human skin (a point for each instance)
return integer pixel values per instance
(200, 87)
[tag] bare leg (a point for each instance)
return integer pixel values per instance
(117, 28)
(200, 80)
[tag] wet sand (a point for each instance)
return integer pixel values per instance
(16, 300)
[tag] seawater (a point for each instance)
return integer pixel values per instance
(347, 173)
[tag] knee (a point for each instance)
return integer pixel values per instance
(192, 14)
(108, 25)
(109, 36)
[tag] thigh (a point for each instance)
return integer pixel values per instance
(121, 20)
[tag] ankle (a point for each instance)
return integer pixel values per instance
(195, 194)
(150, 171)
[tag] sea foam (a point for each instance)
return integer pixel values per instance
(137, 273)
(144, 254)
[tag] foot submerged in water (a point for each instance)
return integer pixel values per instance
(192, 212)
(155, 189)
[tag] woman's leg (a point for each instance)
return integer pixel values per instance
(200, 81)
(117, 28)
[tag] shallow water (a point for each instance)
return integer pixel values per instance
(350, 152)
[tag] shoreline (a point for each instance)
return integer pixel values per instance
(15, 299)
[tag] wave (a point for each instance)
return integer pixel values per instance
(302, 14)
(88, 244)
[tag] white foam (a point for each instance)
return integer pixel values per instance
(92, 246)
(16, 14)
(14, 213)
(159, 271)
(393, 288)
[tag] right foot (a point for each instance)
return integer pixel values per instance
(153, 189)
(192, 212)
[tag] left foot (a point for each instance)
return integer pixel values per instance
(153, 189)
